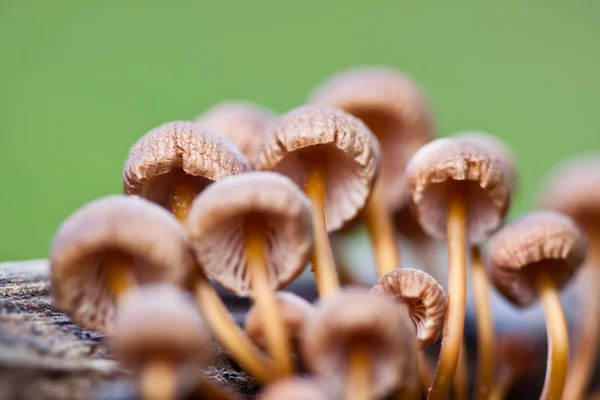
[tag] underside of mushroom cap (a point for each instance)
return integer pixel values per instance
(216, 228)
(445, 168)
(420, 296)
(356, 318)
(154, 241)
(394, 108)
(197, 149)
(343, 144)
(539, 241)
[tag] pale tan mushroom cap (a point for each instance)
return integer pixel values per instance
(358, 318)
(541, 240)
(159, 322)
(294, 389)
(444, 168)
(419, 294)
(394, 108)
(243, 123)
(216, 223)
(197, 149)
(144, 231)
(344, 143)
(294, 310)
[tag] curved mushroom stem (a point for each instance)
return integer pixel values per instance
(558, 338)
(461, 378)
(118, 273)
(158, 381)
(457, 298)
(381, 231)
(322, 259)
(278, 339)
(486, 341)
(358, 375)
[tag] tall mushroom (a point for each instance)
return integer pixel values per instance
(252, 233)
(335, 158)
(573, 188)
(460, 193)
(533, 257)
(108, 247)
(394, 108)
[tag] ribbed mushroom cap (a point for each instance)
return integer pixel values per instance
(541, 240)
(348, 150)
(241, 122)
(159, 322)
(394, 107)
(197, 149)
(353, 318)
(295, 311)
(294, 389)
(149, 235)
(446, 167)
(419, 294)
(216, 228)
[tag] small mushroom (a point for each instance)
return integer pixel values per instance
(252, 233)
(460, 193)
(108, 247)
(335, 158)
(362, 343)
(242, 122)
(294, 389)
(534, 256)
(394, 108)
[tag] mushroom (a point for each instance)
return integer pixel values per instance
(394, 108)
(363, 343)
(252, 233)
(295, 312)
(108, 247)
(573, 188)
(534, 256)
(459, 193)
(241, 122)
(335, 158)
(294, 389)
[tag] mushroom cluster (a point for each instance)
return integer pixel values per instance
(245, 199)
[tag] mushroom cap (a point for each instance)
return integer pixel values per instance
(408, 226)
(344, 144)
(294, 389)
(419, 294)
(216, 228)
(539, 240)
(197, 149)
(159, 322)
(144, 231)
(241, 122)
(447, 166)
(394, 108)
(295, 311)
(354, 318)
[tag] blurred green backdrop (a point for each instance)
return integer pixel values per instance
(81, 82)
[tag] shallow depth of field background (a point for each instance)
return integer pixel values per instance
(80, 83)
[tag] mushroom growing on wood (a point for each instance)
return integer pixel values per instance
(108, 247)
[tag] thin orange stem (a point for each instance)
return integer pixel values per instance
(461, 378)
(358, 375)
(505, 381)
(158, 381)
(425, 371)
(118, 273)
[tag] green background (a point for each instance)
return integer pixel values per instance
(80, 82)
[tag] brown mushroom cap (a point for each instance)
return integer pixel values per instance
(147, 233)
(159, 322)
(197, 149)
(216, 220)
(295, 311)
(241, 122)
(420, 296)
(539, 240)
(358, 318)
(294, 389)
(444, 167)
(344, 144)
(394, 108)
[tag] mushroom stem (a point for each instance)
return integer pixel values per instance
(358, 375)
(158, 381)
(457, 298)
(504, 382)
(118, 273)
(558, 337)
(322, 259)
(486, 341)
(182, 196)
(425, 373)
(381, 231)
(460, 386)
(274, 329)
